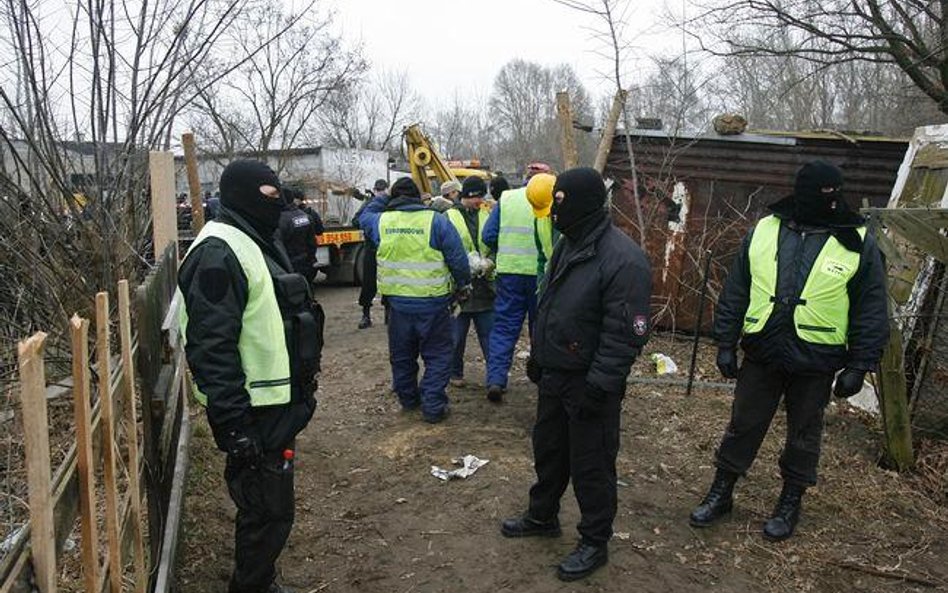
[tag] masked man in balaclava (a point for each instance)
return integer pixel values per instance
(805, 297)
(253, 337)
(592, 322)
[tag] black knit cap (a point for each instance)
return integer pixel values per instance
(380, 185)
(473, 186)
(498, 185)
(405, 187)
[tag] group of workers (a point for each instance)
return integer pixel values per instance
(805, 298)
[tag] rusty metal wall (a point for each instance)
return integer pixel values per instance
(729, 180)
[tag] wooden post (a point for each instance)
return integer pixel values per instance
(608, 134)
(194, 182)
(131, 433)
(85, 464)
(893, 388)
(895, 409)
(163, 209)
(564, 112)
(36, 442)
(103, 366)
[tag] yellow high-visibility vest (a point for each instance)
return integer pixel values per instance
(821, 312)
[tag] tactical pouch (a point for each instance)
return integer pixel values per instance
(303, 322)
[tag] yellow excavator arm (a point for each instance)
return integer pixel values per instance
(422, 156)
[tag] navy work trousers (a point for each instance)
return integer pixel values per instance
(483, 323)
(516, 300)
(431, 336)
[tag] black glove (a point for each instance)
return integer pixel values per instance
(243, 448)
(727, 362)
(849, 382)
(534, 372)
(592, 402)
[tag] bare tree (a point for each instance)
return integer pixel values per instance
(272, 100)
(523, 109)
(83, 97)
(370, 113)
(908, 33)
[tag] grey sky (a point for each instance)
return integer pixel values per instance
(459, 45)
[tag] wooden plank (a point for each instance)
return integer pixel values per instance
(131, 435)
(109, 445)
(922, 235)
(194, 182)
(79, 328)
(14, 570)
(163, 211)
(165, 564)
(936, 217)
(36, 443)
(564, 112)
(602, 153)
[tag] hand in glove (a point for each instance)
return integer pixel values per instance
(463, 294)
(243, 448)
(534, 372)
(849, 382)
(592, 402)
(727, 362)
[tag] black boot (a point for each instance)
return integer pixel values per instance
(276, 588)
(582, 561)
(786, 514)
(718, 502)
(527, 526)
(366, 320)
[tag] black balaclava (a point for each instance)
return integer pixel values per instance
(817, 193)
(584, 196)
(240, 191)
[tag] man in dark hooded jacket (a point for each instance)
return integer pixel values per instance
(253, 337)
(805, 297)
(592, 322)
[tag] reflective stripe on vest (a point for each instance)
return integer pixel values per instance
(821, 315)
(408, 265)
(262, 343)
(516, 241)
(459, 222)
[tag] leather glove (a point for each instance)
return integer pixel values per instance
(243, 448)
(592, 402)
(849, 382)
(534, 372)
(727, 362)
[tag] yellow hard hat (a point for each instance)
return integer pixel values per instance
(540, 193)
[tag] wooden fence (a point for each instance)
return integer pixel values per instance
(137, 550)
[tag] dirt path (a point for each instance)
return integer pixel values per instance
(371, 518)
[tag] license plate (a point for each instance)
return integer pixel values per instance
(339, 237)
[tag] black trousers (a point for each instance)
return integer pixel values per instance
(263, 494)
(370, 272)
(573, 440)
(756, 398)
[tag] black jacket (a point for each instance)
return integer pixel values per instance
(482, 299)
(777, 343)
(593, 314)
(298, 235)
(216, 291)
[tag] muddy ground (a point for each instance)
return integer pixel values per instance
(370, 517)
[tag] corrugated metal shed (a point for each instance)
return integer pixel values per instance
(722, 185)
